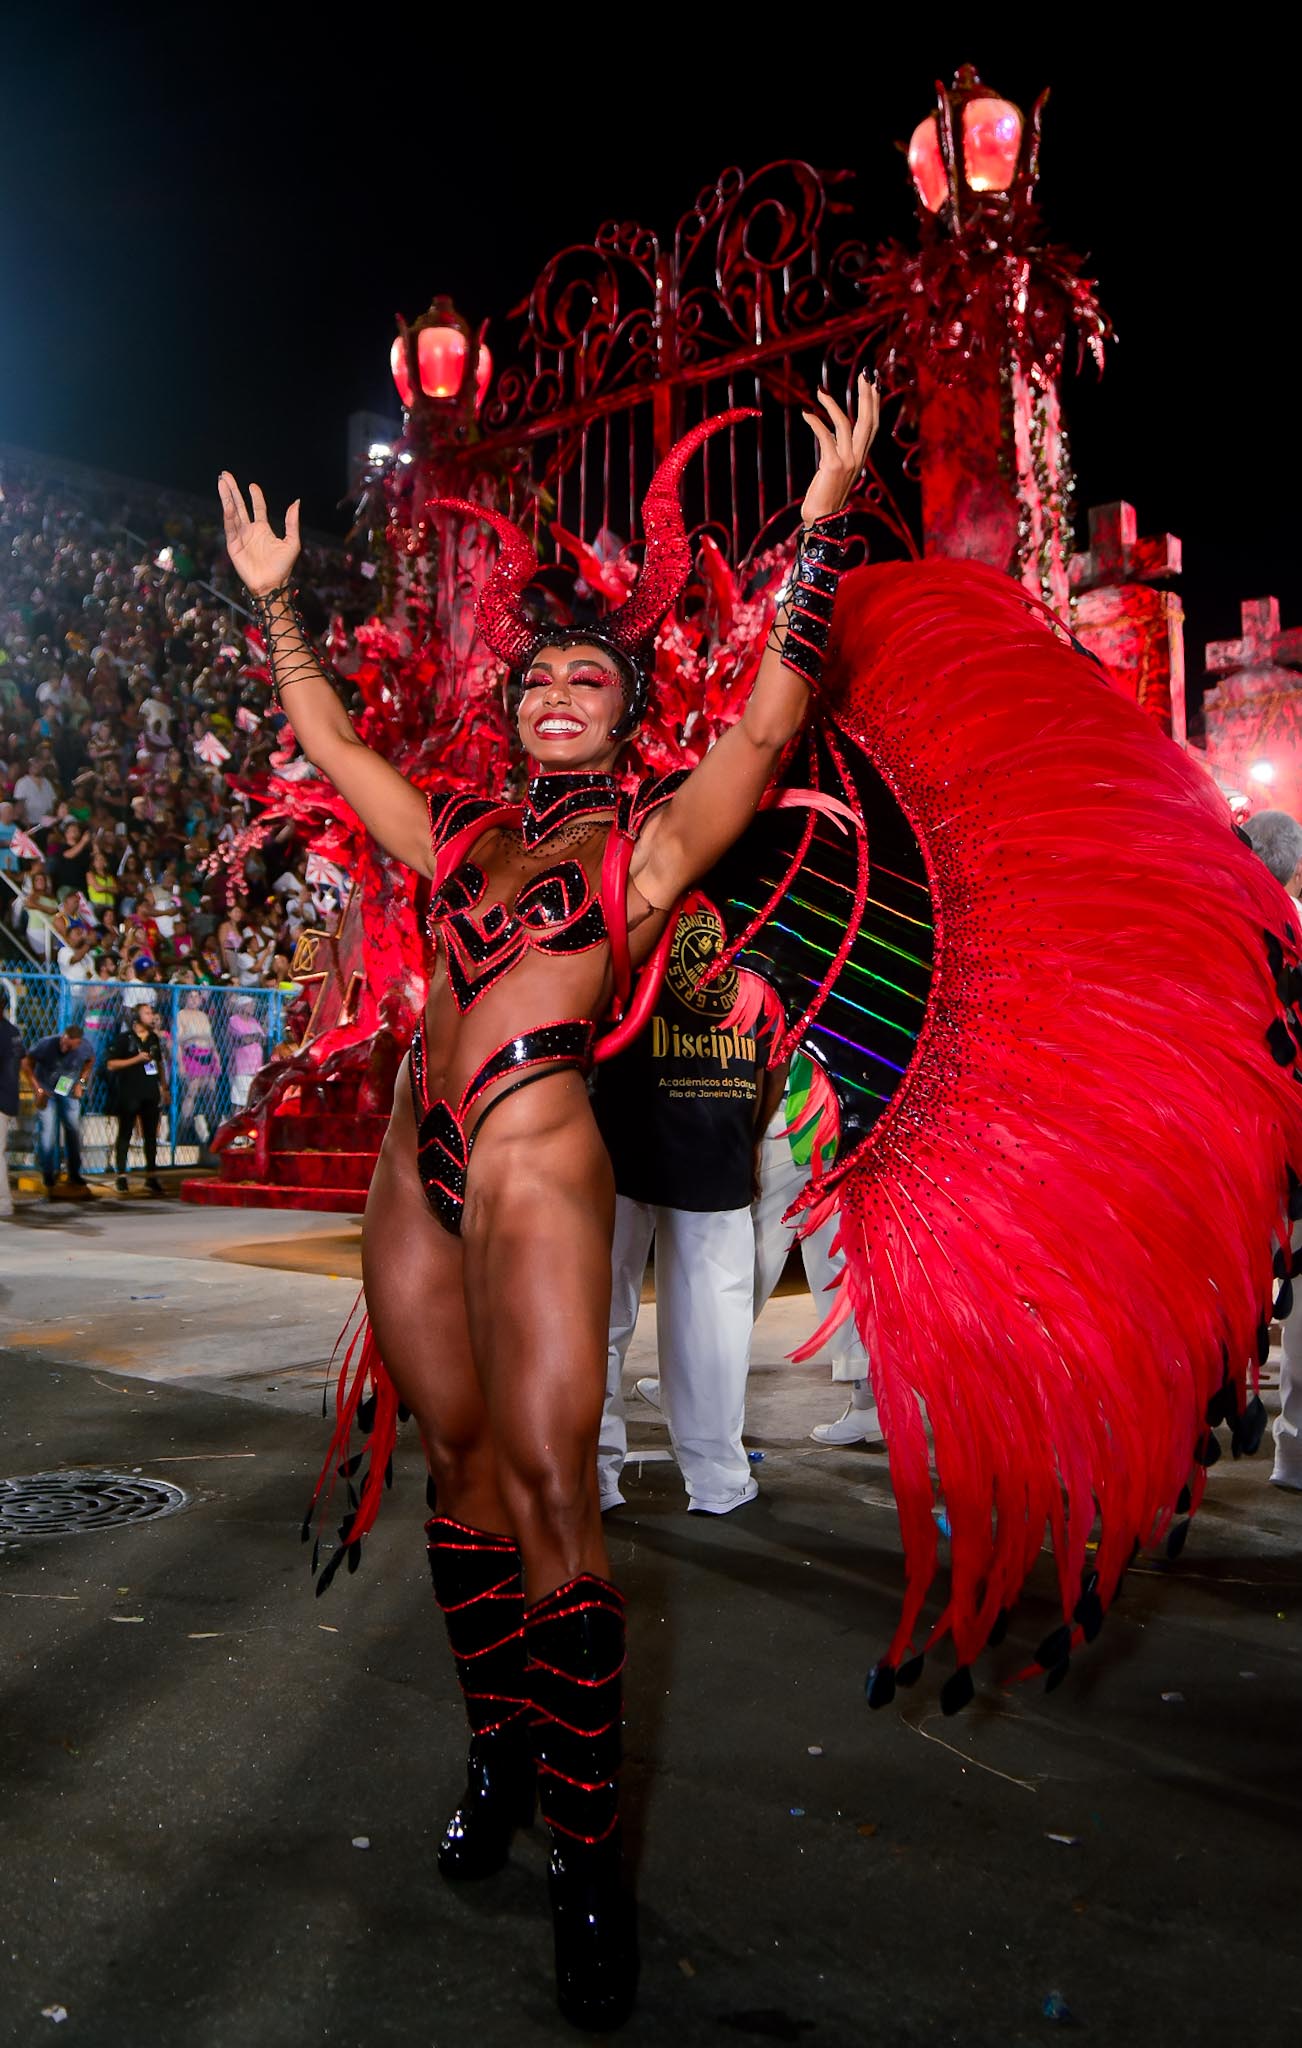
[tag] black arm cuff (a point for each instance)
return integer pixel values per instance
(810, 594)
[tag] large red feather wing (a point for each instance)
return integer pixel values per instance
(1058, 1235)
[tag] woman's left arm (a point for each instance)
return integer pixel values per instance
(684, 839)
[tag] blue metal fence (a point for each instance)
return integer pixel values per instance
(214, 1041)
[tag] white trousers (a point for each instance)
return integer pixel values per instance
(781, 1180)
(1288, 1423)
(6, 1196)
(704, 1292)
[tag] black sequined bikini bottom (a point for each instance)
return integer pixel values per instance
(443, 1144)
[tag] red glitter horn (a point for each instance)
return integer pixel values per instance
(509, 631)
(666, 563)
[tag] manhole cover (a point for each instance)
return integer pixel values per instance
(67, 1503)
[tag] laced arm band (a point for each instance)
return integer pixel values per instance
(290, 655)
(804, 614)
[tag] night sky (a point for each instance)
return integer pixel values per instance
(208, 225)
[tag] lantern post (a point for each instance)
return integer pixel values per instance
(441, 369)
(976, 324)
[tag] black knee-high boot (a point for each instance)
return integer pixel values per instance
(575, 1639)
(477, 1584)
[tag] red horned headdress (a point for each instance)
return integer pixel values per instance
(627, 632)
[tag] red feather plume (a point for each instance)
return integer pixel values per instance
(1058, 1235)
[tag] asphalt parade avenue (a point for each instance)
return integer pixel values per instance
(223, 1796)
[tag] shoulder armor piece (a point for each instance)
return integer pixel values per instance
(637, 804)
(451, 810)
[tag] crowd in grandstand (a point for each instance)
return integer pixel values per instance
(126, 715)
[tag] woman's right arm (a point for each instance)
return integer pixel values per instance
(390, 807)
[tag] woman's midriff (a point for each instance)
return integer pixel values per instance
(521, 976)
(541, 989)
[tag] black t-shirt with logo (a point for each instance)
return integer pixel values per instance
(677, 1110)
(141, 1085)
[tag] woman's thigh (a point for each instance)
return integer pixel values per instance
(412, 1271)
(540, 1204)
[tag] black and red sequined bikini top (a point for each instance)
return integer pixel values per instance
(556, 911)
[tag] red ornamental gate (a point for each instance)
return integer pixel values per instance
(627, 341)
(761, 296)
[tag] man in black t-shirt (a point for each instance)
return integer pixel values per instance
(136, 1063)
(681, 1112)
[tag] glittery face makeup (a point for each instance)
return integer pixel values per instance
(583, 674)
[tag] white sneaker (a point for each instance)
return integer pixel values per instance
(650, 1393)
(1287, 1476)
(697, 1506)
(856, 1426)
(613, 1499)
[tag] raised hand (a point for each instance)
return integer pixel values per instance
(843, 445)
(260, 557)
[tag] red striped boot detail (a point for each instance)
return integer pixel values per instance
(575, 1639)
(478, 1585)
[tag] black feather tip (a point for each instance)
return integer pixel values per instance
(1088, 1611)
(957, 1691)
(1251, 1428)
(1056, 1646)
(879, 1686)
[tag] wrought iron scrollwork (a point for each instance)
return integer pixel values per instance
(746, 274)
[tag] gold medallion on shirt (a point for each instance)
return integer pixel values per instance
(698, 942)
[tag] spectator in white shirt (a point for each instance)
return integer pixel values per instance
(76, 960)
(54, 690)
(35, 796)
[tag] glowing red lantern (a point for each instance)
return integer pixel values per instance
(441, 359)
(441, 352)
(927, 165)
(992, 141)
(986, 142)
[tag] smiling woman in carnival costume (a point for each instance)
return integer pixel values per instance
(1048, 1000)
(486, 1250)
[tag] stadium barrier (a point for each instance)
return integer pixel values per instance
(214, 1040)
